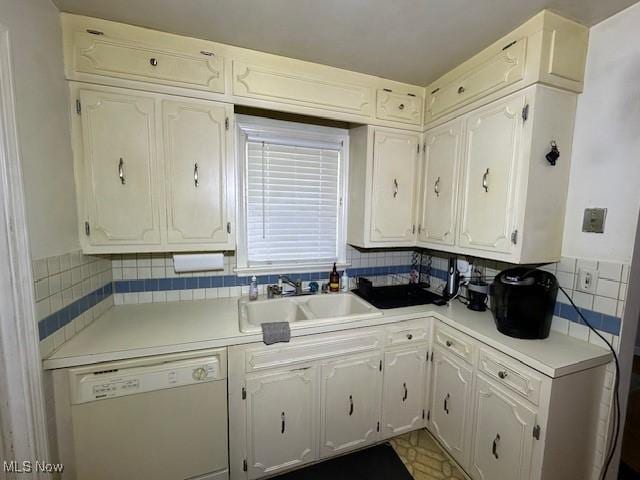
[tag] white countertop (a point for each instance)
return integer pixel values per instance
(131, 331)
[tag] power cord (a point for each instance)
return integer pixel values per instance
(616, 385)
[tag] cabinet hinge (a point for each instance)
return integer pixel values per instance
(423, 414)
(244, 393)
(525, 112)
(510, 45)
(87, 229)
(378, 427)
(226, 123)
(380, 365)
(78, 107)
(536, 432)
(244, 465)
(514, 237)
(428, 415)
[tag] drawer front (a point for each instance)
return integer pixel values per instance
(412, 331)
(398, 107)
(300, 88)
(309, 350)
(511, 373)
(102, 55)
(503, 69)
(454, 342)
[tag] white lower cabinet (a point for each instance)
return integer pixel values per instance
(350, 403)
(405, 375)
(503, 440)
(281, 420)
(450, 404)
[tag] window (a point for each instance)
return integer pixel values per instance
(292, 186)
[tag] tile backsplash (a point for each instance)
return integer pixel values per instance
(71, 291)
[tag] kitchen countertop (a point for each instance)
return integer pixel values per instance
(131, 331)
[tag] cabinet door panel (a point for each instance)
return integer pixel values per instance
(198, 171)
(403, 390)
(440, 188)
(491, 157)
(281, 426)
(395, 158)
(503, 440)
(450, 403)
(350, 404)
(119, 140)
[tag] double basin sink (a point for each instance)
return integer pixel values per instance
(304, 311)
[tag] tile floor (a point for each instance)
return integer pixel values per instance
(424, 458)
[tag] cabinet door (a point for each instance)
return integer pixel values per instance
(199, 172)
(350, 404)
(120, 168)
(503, 440)
(395, 161)
(440, 184)
(281, 421)
(450, 402)
(489, 192)
(403, 403)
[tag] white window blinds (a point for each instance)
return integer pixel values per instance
(292, 202)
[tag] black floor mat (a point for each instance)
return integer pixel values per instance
(376, 463)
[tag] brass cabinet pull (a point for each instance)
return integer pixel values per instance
(395, 187)
(123, 180)
(436, 187)
(494, 449)
(350, 405)
(195, 175)
(485, 181)
(446, 403)
(153, 62)
(406, 392)
(283, 424)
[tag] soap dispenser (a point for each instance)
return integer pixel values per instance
(253, 288)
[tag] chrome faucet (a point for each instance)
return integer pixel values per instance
(297, 284)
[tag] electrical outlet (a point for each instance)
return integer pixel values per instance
(587, 280)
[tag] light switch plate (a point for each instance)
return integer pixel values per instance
(587, 280)
(593, 220)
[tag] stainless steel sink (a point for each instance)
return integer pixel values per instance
(305, 311)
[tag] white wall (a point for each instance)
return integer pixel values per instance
(605, 170)
(43, 124)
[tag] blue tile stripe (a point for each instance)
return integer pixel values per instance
(600, 321)
(57, 320)
(218, 281)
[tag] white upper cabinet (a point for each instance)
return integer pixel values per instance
(199, 172)
(405, 374)
(502, 440)
(118, 170)
(154, 173)
(548, 49)
(492, 155)
(101, 52)
(440, 177)
(382, 187)
(350, 403)
(281, 421)
(399, 106)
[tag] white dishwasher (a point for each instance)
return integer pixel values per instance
(160, 418)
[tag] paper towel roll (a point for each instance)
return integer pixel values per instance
(198, 262)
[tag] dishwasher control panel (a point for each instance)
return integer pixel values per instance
(119, 382)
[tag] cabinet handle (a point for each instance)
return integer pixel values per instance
(195, 175)
(153, 62)
(350, 405)
(446, 403)
(502, 374)
(494, 449)
(406, 392)
(460, 89)
(436, 187)
(395, 187)
(485, 183)
(401, 106)
(448, 343)
(283, 425)
(123, 180)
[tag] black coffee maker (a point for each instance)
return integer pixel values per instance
(522, 302)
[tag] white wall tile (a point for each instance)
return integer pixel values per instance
(610, 270)
(607, 288)
(605, 305)
(567, 265)
(579, 331)
(560, 325)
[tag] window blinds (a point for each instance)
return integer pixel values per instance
(292, 198)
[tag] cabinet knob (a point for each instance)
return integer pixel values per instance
(449, 343)
(153, 62)
(460, 89)
(409, 336)
(401, 106)
(502, 374)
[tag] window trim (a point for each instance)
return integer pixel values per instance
(267, 128)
